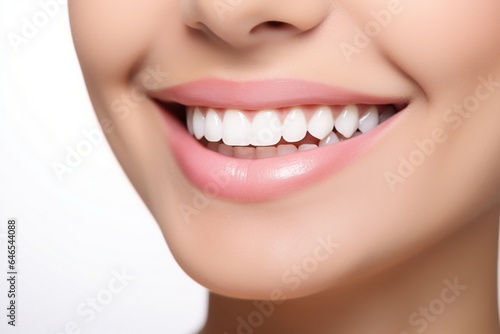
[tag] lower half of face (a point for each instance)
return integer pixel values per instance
(289, 148)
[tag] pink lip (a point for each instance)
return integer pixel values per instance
(258, 95)
(262, 179)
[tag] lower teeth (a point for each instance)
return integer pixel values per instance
(252, 152)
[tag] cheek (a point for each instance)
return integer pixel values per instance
(438, 43)
(111, 36)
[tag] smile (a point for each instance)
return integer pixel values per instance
(270, 133)
(260, 140)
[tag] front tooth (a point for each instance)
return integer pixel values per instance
(213, 126)
(236, 128)
(266, 128)
(348, 120)
(332, 138)
(322, 122)
(198, 123)
(369, 120)
(294, 126)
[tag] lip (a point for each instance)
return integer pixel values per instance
(220, 176)
(265, 94)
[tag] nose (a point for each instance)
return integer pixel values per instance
(243, 23)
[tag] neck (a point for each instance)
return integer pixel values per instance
(449, 288)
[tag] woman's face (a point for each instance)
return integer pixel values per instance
(244, 212)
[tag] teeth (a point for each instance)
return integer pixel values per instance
(266, 152)
(213, 126)
(251, 152)
(322, 122)
(226, 150)
(286, 149)
(369, 120)
(347, 122)
(243, 152)
(294, 126)
(307, 147)
(266, 128)
(235, 128)
(198, 124)
(332, 138)
(213, 146)
(190, 121)
(256, 134)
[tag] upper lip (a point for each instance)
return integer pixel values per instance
(265, 94)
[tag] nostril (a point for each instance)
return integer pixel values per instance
(272, 25)
(275, 24)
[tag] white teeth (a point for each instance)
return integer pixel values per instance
(332, 138)
(294, 126)
(235, 128)
(234, 135)
(198, 123)
(213, 126)
(286, 149)
(266, 128)
(369, 120)
(322, 122)
(347, 122)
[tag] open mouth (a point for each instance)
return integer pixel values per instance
(259, 140)
(258, 134)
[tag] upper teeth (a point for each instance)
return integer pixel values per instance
(266, 127)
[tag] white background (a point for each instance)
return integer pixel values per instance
(73, 235)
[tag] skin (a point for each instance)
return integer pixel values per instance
(397, 241)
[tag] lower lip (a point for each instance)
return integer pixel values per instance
(262, 179)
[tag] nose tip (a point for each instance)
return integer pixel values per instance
(243, 23)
